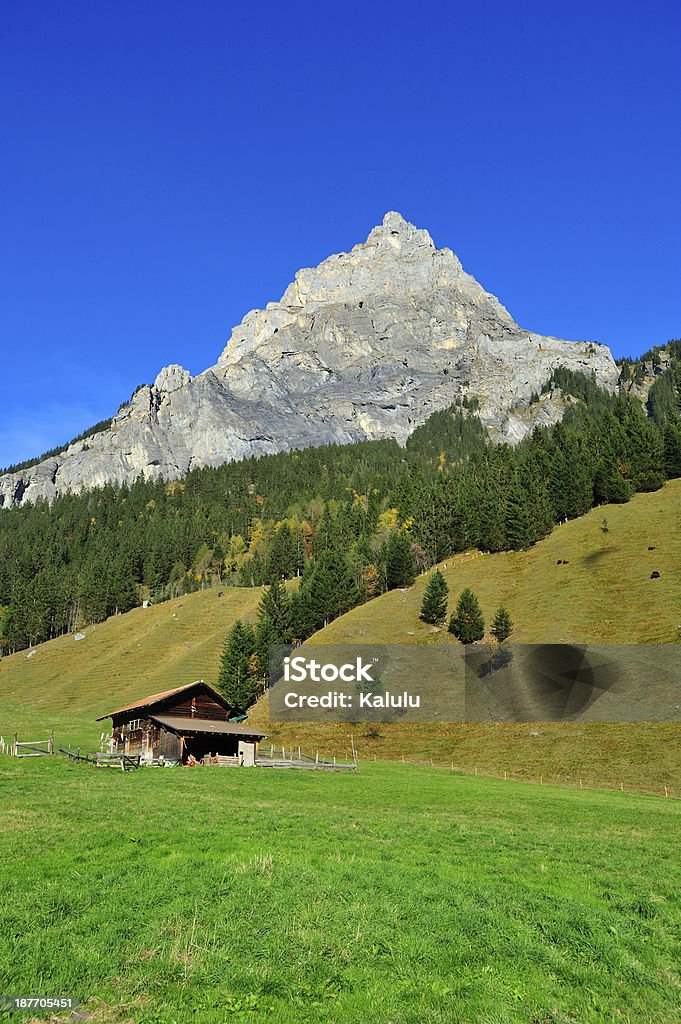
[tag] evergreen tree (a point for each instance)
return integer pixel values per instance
(520, 533)
(285, 558)
(123, 592)
(467, 623)
(303, 619)
(490, 526)
(265, 640)
(399, 562)
(610, 487)
(275, 606)
(330, 588)
(434, 606)
(672, 448)
(236, 678)
(502, 625)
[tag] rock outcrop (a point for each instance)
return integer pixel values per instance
(366, 345)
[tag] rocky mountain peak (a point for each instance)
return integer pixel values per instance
(365, 345)
(398, 270)
(172, 378)
(397, 232)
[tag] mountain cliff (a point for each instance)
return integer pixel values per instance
(366, 345)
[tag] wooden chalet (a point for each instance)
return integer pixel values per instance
(193, 721)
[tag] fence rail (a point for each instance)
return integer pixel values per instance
(558, 780)
(280, 757)
(32, 748)
(127, 762)
(75, 755)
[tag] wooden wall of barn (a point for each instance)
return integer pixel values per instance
(147, 739)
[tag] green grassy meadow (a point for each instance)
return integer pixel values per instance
(397, 894)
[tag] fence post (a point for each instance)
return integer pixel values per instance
(50, 743)
(14, 745)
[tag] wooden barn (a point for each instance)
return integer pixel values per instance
(192, 722)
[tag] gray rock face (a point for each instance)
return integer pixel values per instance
(366, 345)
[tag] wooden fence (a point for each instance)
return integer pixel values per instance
(30, 748)
(280, 757)
(127, 762)
(558, 780)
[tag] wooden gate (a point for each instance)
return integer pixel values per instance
(33, 748)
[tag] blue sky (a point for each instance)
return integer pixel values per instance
(169, 166)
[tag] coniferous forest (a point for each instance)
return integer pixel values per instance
(352, 521)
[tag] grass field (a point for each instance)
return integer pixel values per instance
(399, 894)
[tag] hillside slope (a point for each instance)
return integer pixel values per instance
(67, 683)
(604, 594)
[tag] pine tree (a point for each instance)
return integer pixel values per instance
(400, 565)
(502, 625)
(467, 623)
(490, 526)
(303, 620)
(276, 607)
(331, 587)
(610, 487)
(265, 640)
(672, 449)
(285, 556)
(519, 524)
(236, 680)
(434, 606)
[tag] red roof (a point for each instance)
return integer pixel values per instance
(156, 697)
